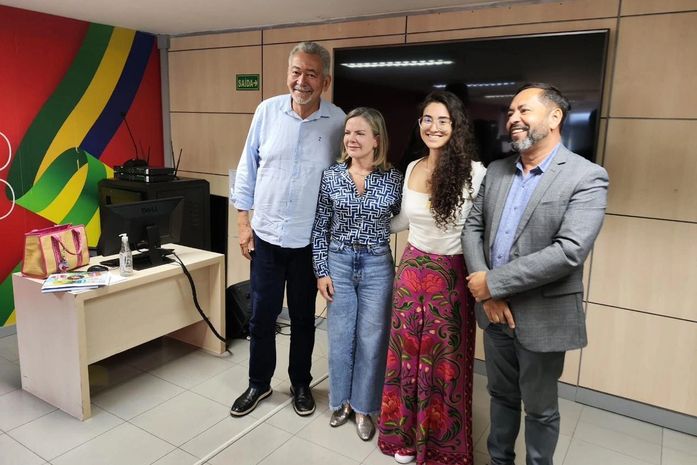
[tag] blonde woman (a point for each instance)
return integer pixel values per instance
(354, 267)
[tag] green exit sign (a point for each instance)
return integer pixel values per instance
(247, 82)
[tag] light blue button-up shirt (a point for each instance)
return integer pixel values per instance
(518, 197)
(281, 168)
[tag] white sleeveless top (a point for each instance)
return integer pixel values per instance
(416, 215)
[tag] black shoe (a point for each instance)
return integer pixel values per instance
(303, 403)
(248, 401)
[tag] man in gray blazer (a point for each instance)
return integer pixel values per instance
(530, 229)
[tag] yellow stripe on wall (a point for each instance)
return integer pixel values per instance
(58, 209)
(92, 229)
(95, 98)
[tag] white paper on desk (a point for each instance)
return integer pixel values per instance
(80, 291)
(115, 278)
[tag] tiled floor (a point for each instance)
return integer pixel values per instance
(166, 403)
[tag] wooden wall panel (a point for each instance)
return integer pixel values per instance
(275, 70)
(602, 133)
(204, 80)
(210, 143)
(640, 7)
(479, 344)
(542, 28)
(655, 67)
(514, 15)
(317, 32)
(275, 67)
(653, 168)
(229, 39)
(237, 265)
(641, 357)
(402, 239)
(646, 265)
(218, 184)
(572, 362)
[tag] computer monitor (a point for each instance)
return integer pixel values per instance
(148, 223)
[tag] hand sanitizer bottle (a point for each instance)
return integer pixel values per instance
(125, 257)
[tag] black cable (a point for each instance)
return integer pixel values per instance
(198, 306)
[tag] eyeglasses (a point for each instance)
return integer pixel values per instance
(427, 122)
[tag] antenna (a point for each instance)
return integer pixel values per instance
(176, 167)
(134, 161)
(128, 128)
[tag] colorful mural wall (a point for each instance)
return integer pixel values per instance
(66, 87)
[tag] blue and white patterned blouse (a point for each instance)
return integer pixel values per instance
(346, 217)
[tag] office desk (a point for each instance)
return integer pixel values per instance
(60, 334)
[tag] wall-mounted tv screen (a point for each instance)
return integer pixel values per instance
(484, 73)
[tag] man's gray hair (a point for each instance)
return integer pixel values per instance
(313, 48)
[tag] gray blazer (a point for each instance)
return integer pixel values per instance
(543, 280)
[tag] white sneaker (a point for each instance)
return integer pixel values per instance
(399, 458)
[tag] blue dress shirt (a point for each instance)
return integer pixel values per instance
(281, 167)
(351, 219)
(518, 197)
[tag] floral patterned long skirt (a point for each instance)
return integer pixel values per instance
(427, 397)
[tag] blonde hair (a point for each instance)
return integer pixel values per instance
(377, 126)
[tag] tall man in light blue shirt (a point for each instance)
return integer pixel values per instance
(292, 139)
(530, 229)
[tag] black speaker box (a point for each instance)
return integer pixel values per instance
(238, 310)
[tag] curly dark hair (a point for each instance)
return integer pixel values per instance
(454, 169)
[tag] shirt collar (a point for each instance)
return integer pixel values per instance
(542, 167)
(322, 111)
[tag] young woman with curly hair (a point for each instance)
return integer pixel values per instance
(427, 397)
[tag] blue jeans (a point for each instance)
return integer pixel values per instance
(359, 324)
(273, 268)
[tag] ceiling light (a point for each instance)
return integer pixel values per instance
(396, 64)
(491, 84)
(499, 96)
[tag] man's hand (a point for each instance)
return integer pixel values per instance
(326, 287)
(245, 232)
(477, 285)
(498, 312)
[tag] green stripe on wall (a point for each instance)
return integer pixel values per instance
(61, 103)
(53, 181)
(7, 304)
(88, 202)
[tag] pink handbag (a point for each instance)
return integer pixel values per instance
(54, 250)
